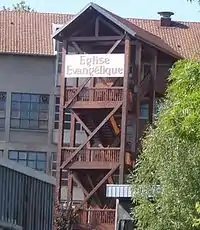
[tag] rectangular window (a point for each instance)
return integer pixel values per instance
(53, 170)
(59, 56)
(144, 111)
(1, 153)
(67, 117)
(29, 111)
(35, 160)
(58, 52)
(2, 109)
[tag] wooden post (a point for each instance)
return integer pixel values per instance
(137, 79)
(124, 108)
(152, 86)
(61, 124)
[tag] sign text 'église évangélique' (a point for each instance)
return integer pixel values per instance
(94, 65)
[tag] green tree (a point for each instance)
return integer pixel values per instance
(170, 157)
(21, 6)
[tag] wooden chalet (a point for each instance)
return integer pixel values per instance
(107, 108)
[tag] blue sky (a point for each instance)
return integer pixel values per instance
(126, 8)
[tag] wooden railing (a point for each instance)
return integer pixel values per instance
(93, 154)
(97, 216)
(96, 94)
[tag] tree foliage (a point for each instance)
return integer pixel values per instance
(170, 157)
(196, 221)
(21, 6)
(65, 218)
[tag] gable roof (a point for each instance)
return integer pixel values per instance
(130, 28)
(31, 33)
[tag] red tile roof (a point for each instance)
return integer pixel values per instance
(30, 33)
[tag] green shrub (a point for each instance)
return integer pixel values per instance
(170, 157)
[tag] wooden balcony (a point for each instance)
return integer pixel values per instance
(92, 218)
(93, 158)
(94, 97)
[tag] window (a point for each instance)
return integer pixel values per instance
(53, 170)
(144, 110)
(35, 160)
(57, 51)
(2, 109)
(55, 27)
(67, 117)
(29, 111)
(1, 153)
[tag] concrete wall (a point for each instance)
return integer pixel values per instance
(28, 74)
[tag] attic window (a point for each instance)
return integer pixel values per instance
(56, 44)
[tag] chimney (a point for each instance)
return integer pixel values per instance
(165, 19)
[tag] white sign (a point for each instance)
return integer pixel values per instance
(94, 65)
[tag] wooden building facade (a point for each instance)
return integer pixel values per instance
(107, 108)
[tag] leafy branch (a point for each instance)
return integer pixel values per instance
(21, 6)
(65, 217)
(170, 156)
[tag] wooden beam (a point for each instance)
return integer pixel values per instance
(81, 122)
(97, 27)
(152, 87)
(77, 47)
(69, 187)
(72, 142)
(77, 92)
(72, 130)
(92, 134)
(93, 38)
(115, 45)
(61, 124)
(108, 43)
(92, 186)
(137, 77)
(96, 187)
(80, 184)
(112, 27)
(124, 109)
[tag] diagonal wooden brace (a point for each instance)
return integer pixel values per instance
(92, 134)
(86, 193)
(81, 122)
(115, 45)
(97, 187)
(77, 92)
